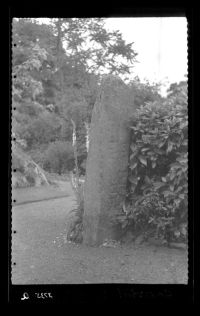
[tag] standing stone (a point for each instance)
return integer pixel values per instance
(107, 162)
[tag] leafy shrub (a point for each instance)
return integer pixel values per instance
(75, 220)
(41, 130)
(38, 154)
(75, 223)
(144, 92)
(158, 190)
(32, 109)
(17, 162)
(59, 157)
(30, 179)
(19, 180)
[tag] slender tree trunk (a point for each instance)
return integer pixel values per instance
(59, 53)
(87, 136)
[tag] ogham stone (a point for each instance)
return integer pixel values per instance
(107, 162)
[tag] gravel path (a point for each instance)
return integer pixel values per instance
(43, 257)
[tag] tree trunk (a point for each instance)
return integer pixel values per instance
(59, 47)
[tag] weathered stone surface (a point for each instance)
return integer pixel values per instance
(107, 162)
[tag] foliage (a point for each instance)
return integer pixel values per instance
(158, 191)
(75, 229)
(17, 163)
(58, 157)
(27, 172)
(56, 72)
(177, 90)
(144, 92)
(105, 46)
(41, 130)
(75, 221)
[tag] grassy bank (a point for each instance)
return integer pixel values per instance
(30, 194)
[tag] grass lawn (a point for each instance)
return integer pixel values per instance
(42, 255)
(31, 194)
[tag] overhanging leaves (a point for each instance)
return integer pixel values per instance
(143, 160)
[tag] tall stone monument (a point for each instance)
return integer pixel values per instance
(107, 162)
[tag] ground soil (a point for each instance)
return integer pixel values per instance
(43, 256)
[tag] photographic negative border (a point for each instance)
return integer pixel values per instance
(104, 293)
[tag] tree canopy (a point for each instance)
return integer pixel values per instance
(57, 69)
